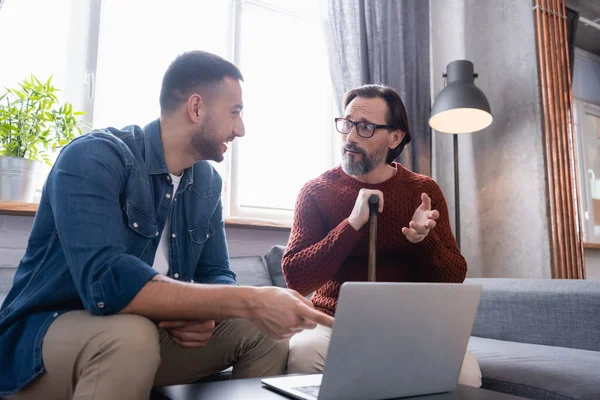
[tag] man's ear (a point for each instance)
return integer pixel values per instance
(397, 136)
(195, 107)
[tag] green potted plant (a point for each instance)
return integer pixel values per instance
(33, 126)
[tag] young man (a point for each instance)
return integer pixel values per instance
(328, 244)
(125, 282)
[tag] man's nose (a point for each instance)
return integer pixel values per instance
(353, 135)
(239, 130)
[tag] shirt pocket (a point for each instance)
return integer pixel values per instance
(139, 223)
(198, 237)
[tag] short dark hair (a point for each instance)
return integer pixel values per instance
(396, 116)
(190, 72)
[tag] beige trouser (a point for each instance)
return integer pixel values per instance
(308, 350)
(123, 356)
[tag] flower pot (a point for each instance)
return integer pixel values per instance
(18, 178)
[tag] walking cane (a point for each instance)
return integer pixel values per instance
(373, 211)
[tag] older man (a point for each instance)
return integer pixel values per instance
(328, 243)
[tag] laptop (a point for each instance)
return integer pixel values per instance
(391, 340)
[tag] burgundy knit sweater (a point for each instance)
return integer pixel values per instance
(324, 251)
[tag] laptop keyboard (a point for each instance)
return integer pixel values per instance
(311, 390)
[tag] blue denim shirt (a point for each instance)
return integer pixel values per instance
(103, 208)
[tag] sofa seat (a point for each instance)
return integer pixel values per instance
(537, 371)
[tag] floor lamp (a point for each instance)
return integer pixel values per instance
(461, 107)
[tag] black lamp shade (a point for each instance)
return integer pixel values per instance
(461, 107)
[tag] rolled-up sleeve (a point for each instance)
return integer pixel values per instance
(84, 189)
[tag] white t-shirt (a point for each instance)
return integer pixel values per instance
(161, 259)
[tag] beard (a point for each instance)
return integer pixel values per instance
(367, 162)
(206, 140)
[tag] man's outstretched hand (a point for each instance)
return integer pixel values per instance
(423, 220)
(281, 313)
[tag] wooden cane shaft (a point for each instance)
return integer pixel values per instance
(372, 247)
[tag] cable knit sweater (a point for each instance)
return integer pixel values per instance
(324, 251)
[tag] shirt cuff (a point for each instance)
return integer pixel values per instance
(119, 285)
(347, 232)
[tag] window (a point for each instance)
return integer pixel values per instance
(280, 49)
(110, 56)
(137, 41)
(21, 50)
(288, 107)
(23, 53)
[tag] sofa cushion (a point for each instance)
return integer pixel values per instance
(551, 312)
(273, 259)
(250, 271)
(537, 371)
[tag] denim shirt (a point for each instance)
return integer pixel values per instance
(94, 237)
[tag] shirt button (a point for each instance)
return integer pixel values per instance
(55, 315)
(173, 236)
(168, 195)
(207, 235)
(168, 177)
(100, 305)
(135, 225)
(156, 234)
(176, 276)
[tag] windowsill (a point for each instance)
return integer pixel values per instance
(22, 209)
(29, 210)
(255, 223)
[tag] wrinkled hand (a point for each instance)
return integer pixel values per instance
(282, 313)
(423, 220)
(360, 213)
(189, 333)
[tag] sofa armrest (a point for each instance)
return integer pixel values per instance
(250, 271)
(550, 312)
(273, 260)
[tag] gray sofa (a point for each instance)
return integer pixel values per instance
(539, 339)
(535, 338)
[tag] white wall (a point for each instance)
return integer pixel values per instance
(503, 196)
(253, 241)
(592, 264)
(14, 232)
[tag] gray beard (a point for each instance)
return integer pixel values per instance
(356, 168)
(366, 164)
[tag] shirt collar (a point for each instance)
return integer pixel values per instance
(155, 154)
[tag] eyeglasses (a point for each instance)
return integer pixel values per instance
(364, 129)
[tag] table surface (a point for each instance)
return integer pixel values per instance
(253, 389)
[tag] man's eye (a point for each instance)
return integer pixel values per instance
(236, 113)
